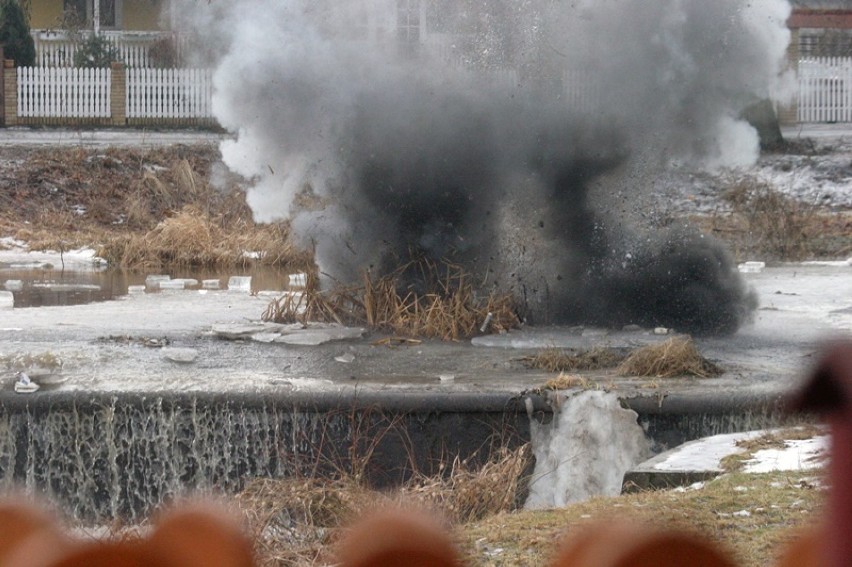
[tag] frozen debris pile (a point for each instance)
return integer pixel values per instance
(448, 309)
(677, 356)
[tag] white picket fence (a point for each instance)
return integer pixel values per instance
(63, 92)
(825, 89)
(169, 93)
(151, 94)
(825, 92)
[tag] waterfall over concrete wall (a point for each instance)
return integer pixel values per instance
(107, 457)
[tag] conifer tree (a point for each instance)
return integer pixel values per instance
(15, 34)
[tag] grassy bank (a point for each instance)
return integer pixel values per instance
(139, 208)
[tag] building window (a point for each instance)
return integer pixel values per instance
(825, 43)
(408, 23)
(83, 12)
(108, 13)
(74, 12)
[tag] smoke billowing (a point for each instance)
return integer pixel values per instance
(515, 137)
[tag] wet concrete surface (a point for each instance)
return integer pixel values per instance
(115, 346)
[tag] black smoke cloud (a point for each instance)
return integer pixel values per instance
(503, 142)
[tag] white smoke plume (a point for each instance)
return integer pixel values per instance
(477, 129)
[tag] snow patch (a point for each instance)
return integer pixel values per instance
(799, 454)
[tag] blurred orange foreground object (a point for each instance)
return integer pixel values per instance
(194, 536)
(29, 536)
(828, 393)
(804, 551)
(201, 535)
(398, 539)
(626, 545)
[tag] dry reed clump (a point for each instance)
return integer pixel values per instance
(571, 360)
(776, 226)
(467, 494)
(192, 238)
(295, 521)
(675, 357)
(449, 310)
(568, 381)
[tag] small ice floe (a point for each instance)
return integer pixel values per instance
(316, 336)
(741, 514)
(661, 331)
(298, 281)
(345, 358)
(23, 384)
(135, 289)
(153, 281)
(7, 300)
(751, 267)
(447, 378)
(210, 284)
(14, 285)
(172, 285)
(264, 337)
(239, 331)
(182, 355)
(239, 283)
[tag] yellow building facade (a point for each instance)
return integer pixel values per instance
(129, 15)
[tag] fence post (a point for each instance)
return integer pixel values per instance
(10, 90)
(2, 93)
(789, 113)
(118, 94)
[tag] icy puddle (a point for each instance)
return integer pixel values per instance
(46, 285)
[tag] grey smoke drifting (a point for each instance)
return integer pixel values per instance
(512, 136)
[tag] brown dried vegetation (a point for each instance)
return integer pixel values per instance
(449, 309)
(296, 521)
(140, 208)
(763, 223)
(677, 356)
(572, 360)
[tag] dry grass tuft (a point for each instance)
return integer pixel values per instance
(571, 360)
(770, 225)
(674, 357)
(296, 521)
(568, 381)
(469, 494)
(192, 238)
(449, 310)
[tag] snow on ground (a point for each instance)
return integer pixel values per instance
(821, 176)
(707, 454)
(798, 454)
(16, 255)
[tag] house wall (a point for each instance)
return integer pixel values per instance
(45, 14)
(136, 15)
(141, 14)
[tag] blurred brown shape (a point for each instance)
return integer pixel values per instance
(394, 538)
(201, 535)
(828, 393)
(618, 544)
